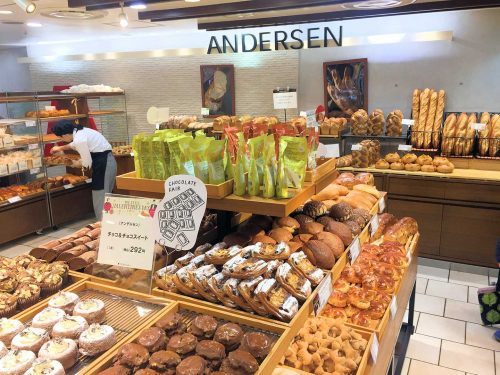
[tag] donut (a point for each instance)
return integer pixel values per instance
(428, 168)
(412, 167)
(397, 166)
(392, 157)
(446, 168)
(409, 158)
(382, 164)
(424, 160)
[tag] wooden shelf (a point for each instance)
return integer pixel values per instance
(105, 113)
(56, 118)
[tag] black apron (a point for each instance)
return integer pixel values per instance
(99, 162)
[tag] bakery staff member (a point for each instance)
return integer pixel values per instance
(95, 152)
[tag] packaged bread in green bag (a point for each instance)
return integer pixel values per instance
(239, 170)
(215, 159)
(137, 149)
(281, 177)
(160, 169)
(295, 158)
(253, 170)
(198, 149)
(147, 160)
(175, 154)
(228, 164)
(269, 171)
(186, 164)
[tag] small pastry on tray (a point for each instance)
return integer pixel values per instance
(199, 279)
(231, 290)
(204, 326)
(8, 329)
(184, 260)
(302, 265)
(241, 268)
(220, 256)
(281, 251)
(164, 278)
(182, 280)
(132, 355)
(65, 351)
(257, 344)
(239, 362)
(172, 324)
(96, 339)
(30, 339)
(93, 310)
(182, 344)
(153, 339)
(229, 335)
(164, 362)
(65, 301)
(247, 291)
(47, 318)
(294, 282)
(16, 362)
(70, 327)
(277, 300)
(45, 367)
(216, 285)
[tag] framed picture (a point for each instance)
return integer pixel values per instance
(217, 89)
(346, 87)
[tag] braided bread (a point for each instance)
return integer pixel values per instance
(376, 122)
(359, 121)
(394, 126)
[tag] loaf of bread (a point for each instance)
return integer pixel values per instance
(494, 148)
(459, 145)
(376, 122)
(384, 221)
(484, 134)
(425, 98)
(449, 129)
(415, 109)
(401, 231)
(359, 122)
(469, 135)
(438, 118)
(429, 123)
(394, 126)
(83, 260)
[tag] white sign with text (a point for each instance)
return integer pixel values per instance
(285, 100)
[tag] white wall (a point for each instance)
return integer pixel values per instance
(13, 76)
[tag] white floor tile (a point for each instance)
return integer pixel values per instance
(468, 268)
(467, 358)
(421, 368)
(406, 366)
(482, 336)
(421, 285)
(442, 328)
(429, 304)
(424, 348)
(416, 314)
(468, 312)
(447, 290)
(473, 295)
(15, 250)
(472, 279)
(433, 273)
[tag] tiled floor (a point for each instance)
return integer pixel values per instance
(449, 338)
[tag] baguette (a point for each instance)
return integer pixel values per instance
(438, 118)
(484, 134)
(92, 245)
(495, 137)
(429, 123)
(83, 260)
(448, 132)
(415, 113)
(72, 253)
(459, 141)
(425, 97)
(469, 134)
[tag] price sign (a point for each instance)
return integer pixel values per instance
(3, 169)
(325, 289)
(405, 148)
(69, 186)
(356, 147)
(374, 348)
(157, 126)
(33, 146)
(178, 218)
(478, 126)
(285, 100)
(37, 162)
(8, 142)
(205, 112)
(22, 165)
(332, 151)
(14, 199)
(373, 224)
(50, 108)
(310, 118)
(394, 307)
(381, 205)
(127, 232)
(88, 180)
(30, 123)
(408, 122)
(34, 170)
(13, 168)
(354, 250)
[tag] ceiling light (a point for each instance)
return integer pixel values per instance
(26, 5)
(138, 6)
(122, 17)
(6, 12)
(191, 1)
(33, 24)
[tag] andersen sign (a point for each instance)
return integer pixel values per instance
(314, 37)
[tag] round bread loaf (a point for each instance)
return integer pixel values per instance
(319, 254)
(341, 230)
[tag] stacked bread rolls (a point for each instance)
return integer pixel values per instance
(394, 126)
(413, 163)
(427, 112)
(332, 126)
(489, 137)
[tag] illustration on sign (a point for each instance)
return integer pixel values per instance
(180, 212)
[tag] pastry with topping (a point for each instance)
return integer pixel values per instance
(16, 362)
(65, 301)
(60, 349)
(45, 367)
(8, 329)
(70, 327)
(92, 310)
(30, 339)
(47, 318)
(96, 339)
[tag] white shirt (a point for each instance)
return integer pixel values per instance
(86, 141)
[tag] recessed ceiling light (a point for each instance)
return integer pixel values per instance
(33, 24)
(27, 6)
(138, 6)
(6, 12)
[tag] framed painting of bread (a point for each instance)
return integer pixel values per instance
(217, 89)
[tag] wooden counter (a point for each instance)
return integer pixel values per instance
(458, 214)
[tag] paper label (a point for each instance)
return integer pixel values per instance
(37, 162)
(408, 122)
(381, 205)
(127, 232)
(406, 148)
(8, 142)
(36, 152)
(373, 224)
(132, 154)
(332, 151)
(22, 165)
(374, 348)
(69, 186)
(14, 199)
(3, 169)
(205, 112)
(285, 100)
(33, 146)
(478, 126)
(88, 180)
(325, 289)
(34, 170)
(30, 123)
(13, 168)
(354, 250)
(394, 307)
(157, 126)
(356, 147)
(50, 108)
(178, 218)
(310, 118)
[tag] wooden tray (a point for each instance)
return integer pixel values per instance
(286, 370)
(127, 312)
(323, 167)
(129, 181)
(189, 311)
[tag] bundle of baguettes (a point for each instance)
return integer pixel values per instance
(427, 113)
(489, 136)
(458, 134)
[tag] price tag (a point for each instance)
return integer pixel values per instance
(1, 142)
(14, 199)
(374, 348)
(13, 167)
(406, 148)
(8, 142)
(37, 162)
(408, 122)
(381, 205)
(478, 126)
(33, 146)
(69, 186)
(205, 112)
(356, 147)
(354, 250)
(34, 170)
(88, 180)
(285, 100)
(310, 118)
(157, 126)
(22, 165)
(325, 289)
(394, 307)
(332, 151)
(50, 108)
(3, 169)
(132, 154)
(30, 123)
(373, 224)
